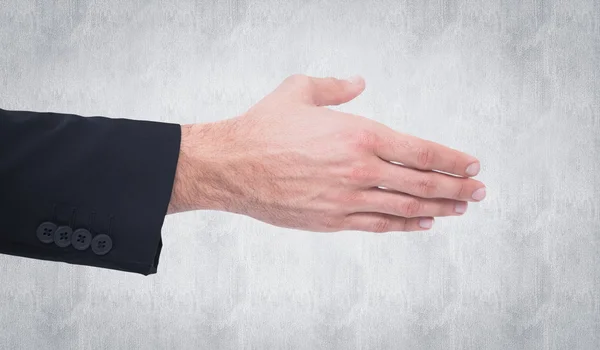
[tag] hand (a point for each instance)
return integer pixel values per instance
(291, 162)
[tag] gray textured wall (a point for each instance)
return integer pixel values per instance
(514, 83)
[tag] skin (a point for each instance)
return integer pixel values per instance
(292, 162)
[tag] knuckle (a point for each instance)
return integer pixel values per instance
(380, 225)
(424, 157)
(364, 139)
(454, 165)
(363, 174)
(402, 224)
(426, 187)
(410, 208)
(351, 197)
(331, 224)
(460, 190)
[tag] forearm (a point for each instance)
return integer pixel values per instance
(203, 174)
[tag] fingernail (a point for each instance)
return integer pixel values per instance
(460, 207)
(354, 79)
(426, 223)
(479, 194)
(473, 169)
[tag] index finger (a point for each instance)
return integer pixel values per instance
(422, 154)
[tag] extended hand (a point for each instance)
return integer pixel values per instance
(291, 162)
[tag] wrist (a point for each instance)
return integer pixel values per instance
(199, 175)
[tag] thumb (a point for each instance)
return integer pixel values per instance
(332, 92)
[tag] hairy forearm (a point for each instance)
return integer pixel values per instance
(199, 179)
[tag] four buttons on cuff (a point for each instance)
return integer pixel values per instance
(80, 239)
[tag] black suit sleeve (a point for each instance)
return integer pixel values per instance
(85, 190)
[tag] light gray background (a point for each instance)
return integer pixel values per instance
(514, 83)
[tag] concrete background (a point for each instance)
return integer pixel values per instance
(514, 83)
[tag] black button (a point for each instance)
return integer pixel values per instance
(101, 244)
(45, 232)
(62, 236)
(81, 239)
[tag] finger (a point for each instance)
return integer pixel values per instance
(377, 222)
(429, 184)
(325, 91)
(378, 200)
(422, 154)
(332, 92)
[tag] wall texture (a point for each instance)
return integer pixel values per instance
(515, 83)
